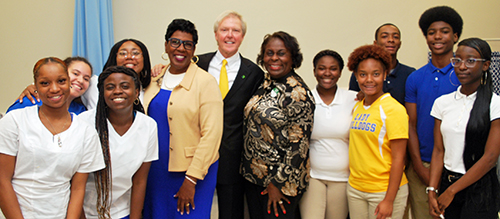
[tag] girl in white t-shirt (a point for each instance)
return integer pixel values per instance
(129, 142)
(466, 140)
(46, 152)
(329, 146)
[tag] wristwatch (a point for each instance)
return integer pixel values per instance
(431, 189)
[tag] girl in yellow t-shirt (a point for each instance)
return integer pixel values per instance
(377, 141)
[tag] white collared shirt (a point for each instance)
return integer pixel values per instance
(329, 146)
(454, 111)
(232, 67)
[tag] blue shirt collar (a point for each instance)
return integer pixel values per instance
(443, 71)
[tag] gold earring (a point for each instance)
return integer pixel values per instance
(483, 78)
(137, 101)
(197, 59)
(163, 56)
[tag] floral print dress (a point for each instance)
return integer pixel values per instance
(277, 128)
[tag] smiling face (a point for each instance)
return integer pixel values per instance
(440, 38)
(389, 38)
(327, 72)
(130, 61)
(79, 76)
(120, 92)
(470, 76)
(370, 75)
(179, 57)
(52, 85)
(277, 59)
(229, 36)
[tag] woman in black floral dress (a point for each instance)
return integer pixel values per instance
(278, 123)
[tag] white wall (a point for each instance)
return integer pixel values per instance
(34, 29)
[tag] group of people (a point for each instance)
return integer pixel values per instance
(142, 142)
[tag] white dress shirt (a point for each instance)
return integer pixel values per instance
(232, 67)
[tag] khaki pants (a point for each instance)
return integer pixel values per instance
(418, 198)
(324, 199)
(362, 204)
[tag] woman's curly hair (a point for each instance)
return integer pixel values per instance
(366, 52)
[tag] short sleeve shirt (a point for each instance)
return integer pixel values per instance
(43, 168)
(372, 129)
(128, 152)
(329, 147)
(424, 86)
(454, 111)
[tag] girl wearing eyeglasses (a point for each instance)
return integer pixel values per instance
(130, 53)
(463, 181)
(187, 105)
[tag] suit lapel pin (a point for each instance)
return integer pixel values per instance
(243, 77)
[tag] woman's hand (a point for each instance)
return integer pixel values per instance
(275, 198)
(75, 206)
(30, 93)
(360, 96)
(156, 70)
(185, 196)
(384, 209)
(445, 199)
(8, 200)
(434, 209)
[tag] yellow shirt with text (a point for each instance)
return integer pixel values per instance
(372, 128)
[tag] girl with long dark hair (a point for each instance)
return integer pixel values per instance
(466, 140)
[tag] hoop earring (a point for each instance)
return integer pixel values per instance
(163, 56)
(197, 59)
(136, 101)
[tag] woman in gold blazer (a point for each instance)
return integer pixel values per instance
(187, 105)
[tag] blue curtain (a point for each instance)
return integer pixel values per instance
(93, 32)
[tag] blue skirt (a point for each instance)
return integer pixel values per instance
(162, 184)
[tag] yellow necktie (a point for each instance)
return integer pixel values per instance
(223, 82)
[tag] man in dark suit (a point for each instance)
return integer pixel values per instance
(243, 78)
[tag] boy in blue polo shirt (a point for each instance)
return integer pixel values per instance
(442, 27)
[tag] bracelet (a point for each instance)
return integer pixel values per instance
(430, 189)
(190, 180)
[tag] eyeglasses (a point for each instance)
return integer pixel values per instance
(469, 63)
(124, 54)
(188, 45)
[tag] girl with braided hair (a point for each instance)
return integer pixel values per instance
(129, 143)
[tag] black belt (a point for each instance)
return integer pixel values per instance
(451, 176)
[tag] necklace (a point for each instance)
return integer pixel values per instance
(59, 142)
